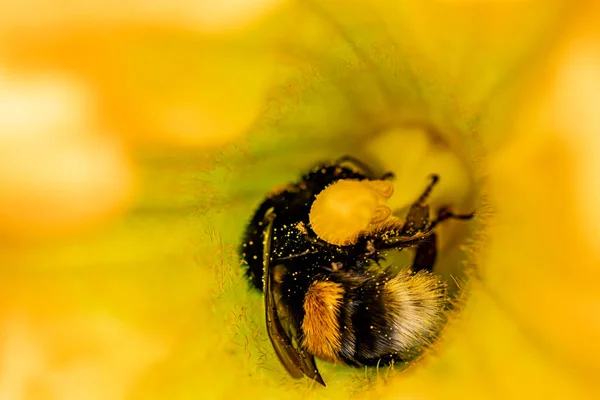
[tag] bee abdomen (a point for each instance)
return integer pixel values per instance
(390, 317)
(321, 326)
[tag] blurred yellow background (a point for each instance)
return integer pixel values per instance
(136, 138)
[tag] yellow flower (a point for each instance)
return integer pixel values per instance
(125, 183)
(84, 85)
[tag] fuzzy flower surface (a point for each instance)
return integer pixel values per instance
(136, 140)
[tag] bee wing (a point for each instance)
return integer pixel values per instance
(296, 361)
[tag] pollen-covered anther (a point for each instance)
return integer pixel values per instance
(348, 207)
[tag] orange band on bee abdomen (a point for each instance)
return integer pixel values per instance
(321, 327)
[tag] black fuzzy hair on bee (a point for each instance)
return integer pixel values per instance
(327, 300)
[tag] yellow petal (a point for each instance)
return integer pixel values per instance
(202, 15)
(57, 171)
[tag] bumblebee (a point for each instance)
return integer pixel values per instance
(325, 292)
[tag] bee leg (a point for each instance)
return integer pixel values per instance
(355, 163)
(425, 255)
(445, 213)
(364, 167)
(417, 227)
(426, 251)
(425, 195)
(417, 219)
(387, 176)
